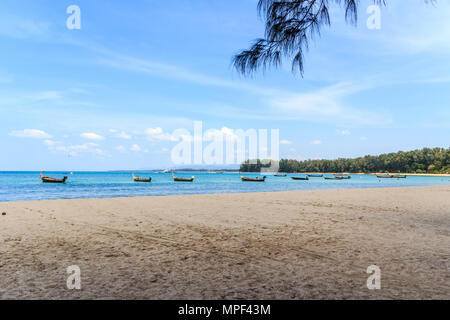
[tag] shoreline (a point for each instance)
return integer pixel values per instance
(310, 244)
(226, 193)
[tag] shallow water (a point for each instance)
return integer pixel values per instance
(18, 186)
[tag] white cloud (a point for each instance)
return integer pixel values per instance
(157, 134)
(285, 142)
(30, 133)
(325, 105)
(46, 95)
(123, 135)
(50, 143)
(224, 134)
(316, 142)
(344, 132)
(135, 148)
(91, 136)
(74, 150)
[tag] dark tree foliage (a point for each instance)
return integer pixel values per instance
(289, 26)
(427, 160)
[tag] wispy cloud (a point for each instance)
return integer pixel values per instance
(135, 148)
(30, 133)
(22, 28)
(326, 105)
(74, 150)
(158, 134)
(343, 132)
(123, 135)
(92, 136)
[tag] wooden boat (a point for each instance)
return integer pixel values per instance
(339, 177)
(385, 176)
(300, 178)
(247, 179)
(315, 175)
(52, 180)
(336, 177)
(280, 175)
(178, 179)
(400, 176)
(137, 179)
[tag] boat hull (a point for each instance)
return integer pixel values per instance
(142, 180)
(52, 180)
(300, 178)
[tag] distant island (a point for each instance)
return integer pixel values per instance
(425, 161)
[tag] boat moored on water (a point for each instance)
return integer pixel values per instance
(339, 177)
(138, 179)
(385, 176)
(180, 179)
(52, 180)
(256, 179)
(342, 177)
(315, 175)
(300, 178)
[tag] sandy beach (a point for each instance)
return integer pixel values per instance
(281, 245)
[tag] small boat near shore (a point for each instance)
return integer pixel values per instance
(385, 176)
(280, 175)
(342, 177)
(179, 179)
(315, 175)
(400, 176)
(300, 178)
(247, 179)
(338, 177)
(138, 179)
(52, 180)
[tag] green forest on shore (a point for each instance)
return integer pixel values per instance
(427, 160)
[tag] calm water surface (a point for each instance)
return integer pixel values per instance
(18, 186)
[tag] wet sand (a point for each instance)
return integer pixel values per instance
(280, 245)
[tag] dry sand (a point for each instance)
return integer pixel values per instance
(285, 245)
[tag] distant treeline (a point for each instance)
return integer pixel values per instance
(427, 160)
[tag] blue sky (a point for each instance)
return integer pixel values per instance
(110, 95)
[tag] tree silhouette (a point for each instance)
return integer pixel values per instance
(289, 26)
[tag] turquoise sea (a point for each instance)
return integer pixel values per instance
(18, 186)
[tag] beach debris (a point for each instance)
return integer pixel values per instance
(3, 213)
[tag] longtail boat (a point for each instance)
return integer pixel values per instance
(178, 179)
(315, 175)
(52, 180)
(338, 177)
(385, 176)
(400, 176)
(300, 178)
(137, 179)
(341, 177)
(247, 179)
(280, 175)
